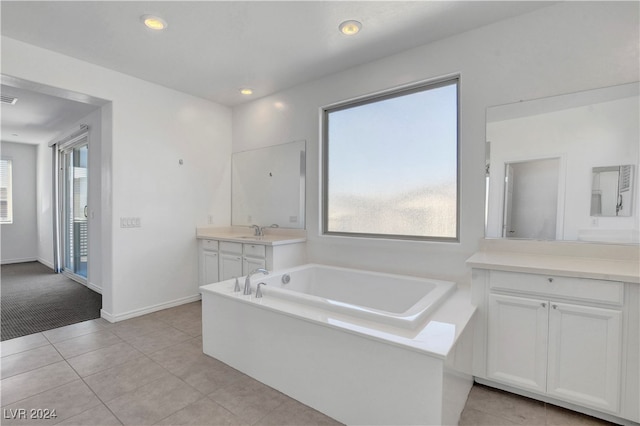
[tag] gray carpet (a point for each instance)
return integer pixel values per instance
(35, 299)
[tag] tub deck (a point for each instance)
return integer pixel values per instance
(353, 369)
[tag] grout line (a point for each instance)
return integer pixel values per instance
(46, 390)
(24, 350)
(34, 368)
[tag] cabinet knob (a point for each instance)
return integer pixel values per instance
(554, 306)
(544, 305)
(550, 280)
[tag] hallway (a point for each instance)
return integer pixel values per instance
(35, 299)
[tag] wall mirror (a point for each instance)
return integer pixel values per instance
(268, 186)
(553, 162)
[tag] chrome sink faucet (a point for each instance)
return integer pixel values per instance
(247, 281)
(258, 230)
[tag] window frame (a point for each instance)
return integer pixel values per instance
(372, 98)
(9, 218)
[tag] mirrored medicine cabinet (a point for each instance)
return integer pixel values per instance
(612, 191)
(268, 186)
(563, 167)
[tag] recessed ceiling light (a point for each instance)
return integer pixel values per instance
(154, 22)
(350, 27)
(246, 91)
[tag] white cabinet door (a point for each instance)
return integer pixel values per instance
(252, 263)
(230, 266)
(209, 267)
(585, 355)
(517, 341)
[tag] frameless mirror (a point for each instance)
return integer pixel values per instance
(553, 162)
(612, 191)
(268, 186)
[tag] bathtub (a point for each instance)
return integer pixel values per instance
(362, 347)
(392, 299)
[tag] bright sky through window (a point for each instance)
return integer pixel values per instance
(392, 165)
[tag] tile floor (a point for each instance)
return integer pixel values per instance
(151, 370)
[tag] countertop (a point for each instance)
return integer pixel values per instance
(271, 237)
(596, 263)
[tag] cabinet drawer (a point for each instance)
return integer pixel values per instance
(254, 250)
(230, 247)
(210, 245)
(568, 287)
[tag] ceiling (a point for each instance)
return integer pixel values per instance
(211, 49)
(37, 117)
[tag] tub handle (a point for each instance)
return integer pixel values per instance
(258, 291)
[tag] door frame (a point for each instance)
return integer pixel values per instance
(562, 172)
(78, 138)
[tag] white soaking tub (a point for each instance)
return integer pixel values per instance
(361, 347)
(391, 299)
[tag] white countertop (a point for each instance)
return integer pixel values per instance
(272, 237)
(624, 265)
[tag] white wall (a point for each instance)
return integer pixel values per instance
(146, 130)
(558, 49)
(19, 238)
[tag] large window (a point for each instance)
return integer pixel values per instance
(390, 165)
(6, 208)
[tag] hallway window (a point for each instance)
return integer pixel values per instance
(6, 207)
(390, 165)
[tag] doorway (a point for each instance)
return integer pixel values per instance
(73, 184)
(531, 199)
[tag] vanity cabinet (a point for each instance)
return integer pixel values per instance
(561, 336)
(221, 260)
(585, 354)
(230, 260)
(254, 258)
(569, 351)
(560, 322)
(517, 347)
(237, 259)
(209, 261)
(548, 331)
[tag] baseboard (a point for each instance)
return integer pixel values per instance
(45, 263)
(139, 312)
(94, 287)
(23, 260)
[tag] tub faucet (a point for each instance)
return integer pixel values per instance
(259, 291)
(247, 281)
